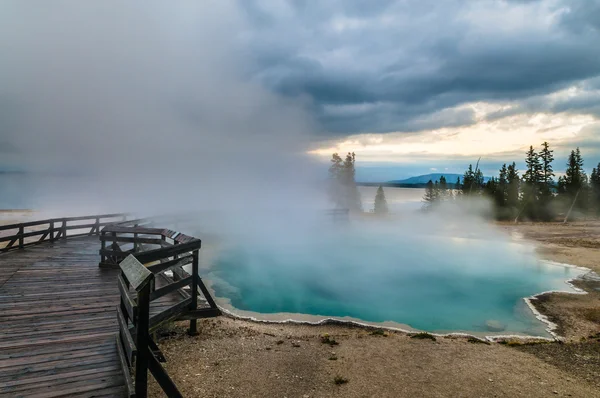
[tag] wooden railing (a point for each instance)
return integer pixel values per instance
(148, 274)
(26, 234)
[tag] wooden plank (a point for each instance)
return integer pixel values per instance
(130, 230)
(126, 300)
(168, 265)
(126, 369)
(200, 314)
(157, 254)
(169, 314)
(126, 338)
(170, 288)
(115, 253)
(14, 383)
(129, 239)
(85, 388)
(86, 226)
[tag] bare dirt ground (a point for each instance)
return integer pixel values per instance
(234, 358)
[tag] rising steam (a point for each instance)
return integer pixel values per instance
(147, 106)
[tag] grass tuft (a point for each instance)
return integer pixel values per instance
(423, 336)
(339, 380)
(379, 332)
(326, 339)
(475, 340)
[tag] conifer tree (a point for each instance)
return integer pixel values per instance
(532, 180)
(491, 187)
(457, 186)
(349, 172)
(595, 189)
(574, 182)
(468, 185)
(381, 206)
(343, 189)
(547, 183)
(546, 159)
(443, 193)
(430, 196)
(502, 189)
(514, 184)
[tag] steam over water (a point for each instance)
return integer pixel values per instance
(432, 282)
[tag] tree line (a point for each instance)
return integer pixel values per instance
(533, 194)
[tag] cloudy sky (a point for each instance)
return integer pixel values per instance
(411, 86)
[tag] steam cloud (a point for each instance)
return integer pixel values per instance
(146, 103)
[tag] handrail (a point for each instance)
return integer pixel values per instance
(140, 269)
(57, 229)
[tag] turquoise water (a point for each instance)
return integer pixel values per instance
(432, 283)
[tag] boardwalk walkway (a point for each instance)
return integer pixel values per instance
(57, 322)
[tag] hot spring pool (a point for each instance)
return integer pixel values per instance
(431, 283)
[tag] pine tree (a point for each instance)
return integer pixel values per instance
(514, 184)
(595, 189)
(491, 188)
(335, 176)
(344, 191)
(502, 190)
(532, 180)
(457, 186)
(574, 182)
(443, 193)
(547, 182)
(472, 181)
(336, 166)
(354, 202)
(546, 158)
(381, 206)
(429, 198)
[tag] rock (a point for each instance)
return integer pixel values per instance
(494, 326)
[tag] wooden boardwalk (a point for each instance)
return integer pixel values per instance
(58, 322)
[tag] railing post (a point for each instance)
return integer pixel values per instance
(142, 342)
(102, 247)
(194, 305)
(64, 229)
(51, 231)
(21, 238)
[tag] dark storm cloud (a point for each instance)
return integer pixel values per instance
(408, 60)
(586, 101)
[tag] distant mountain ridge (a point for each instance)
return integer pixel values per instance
(424, 179)
(419, 181)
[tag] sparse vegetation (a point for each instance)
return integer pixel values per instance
(379, 332)
(518, 342)
(475, 340)
(592, 315)
(333, 357)
(339, 380)
(326, 339)
(423, 336)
